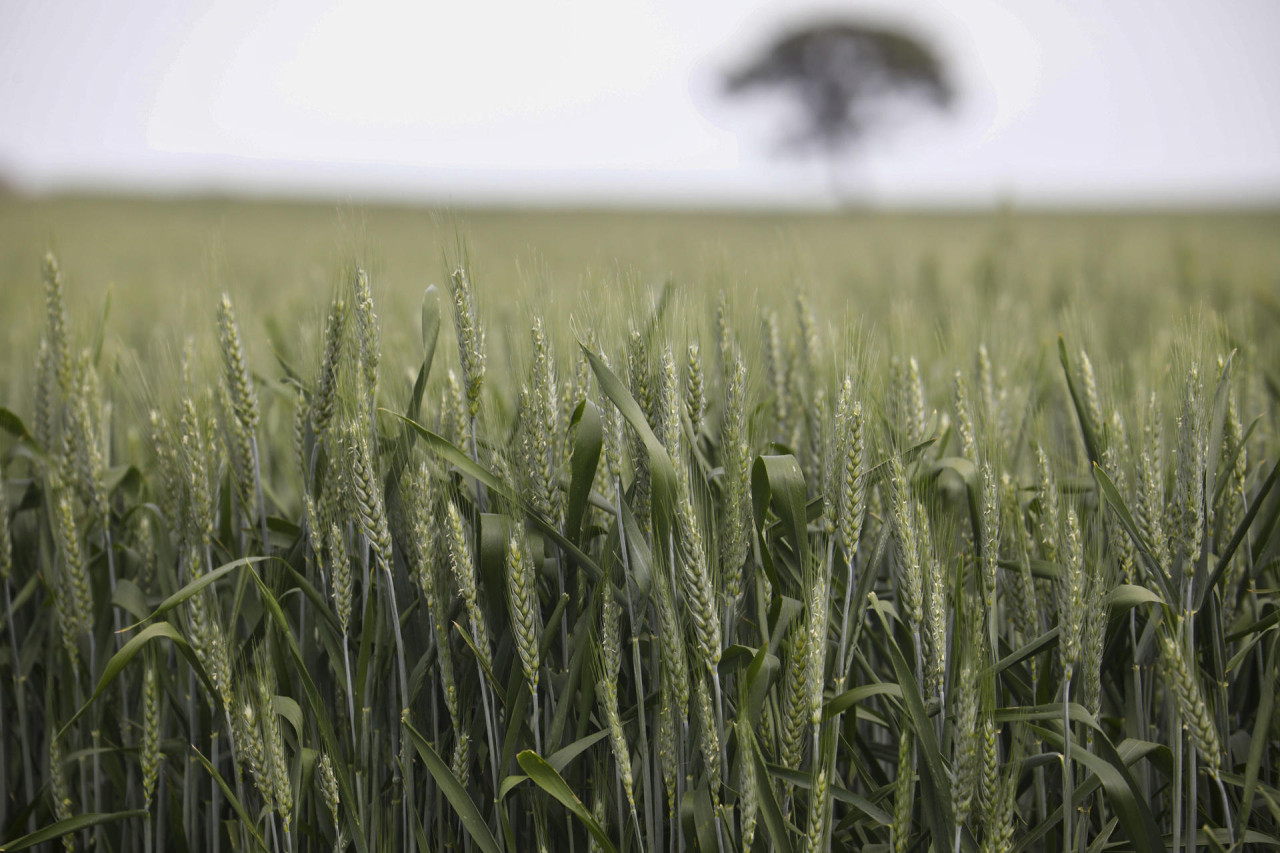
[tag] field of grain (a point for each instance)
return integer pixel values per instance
(371, 529)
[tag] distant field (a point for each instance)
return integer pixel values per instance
(168, 259)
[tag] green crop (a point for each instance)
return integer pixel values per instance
(665, 574)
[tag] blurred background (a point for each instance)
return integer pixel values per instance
(580, 102)
(890, 159)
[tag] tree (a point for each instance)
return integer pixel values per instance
(847, 78)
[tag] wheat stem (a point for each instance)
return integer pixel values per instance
(647, 780)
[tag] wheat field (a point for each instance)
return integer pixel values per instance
(637, 532)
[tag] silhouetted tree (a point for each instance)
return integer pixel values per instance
(845, 76)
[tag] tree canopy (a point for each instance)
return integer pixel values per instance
(844, 75)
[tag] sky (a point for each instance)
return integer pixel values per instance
(607, 101)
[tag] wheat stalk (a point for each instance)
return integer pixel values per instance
(526, 619)
(243, 404)
(904, 793)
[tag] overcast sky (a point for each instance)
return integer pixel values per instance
(601, 100)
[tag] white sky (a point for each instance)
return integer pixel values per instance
(608, 100)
